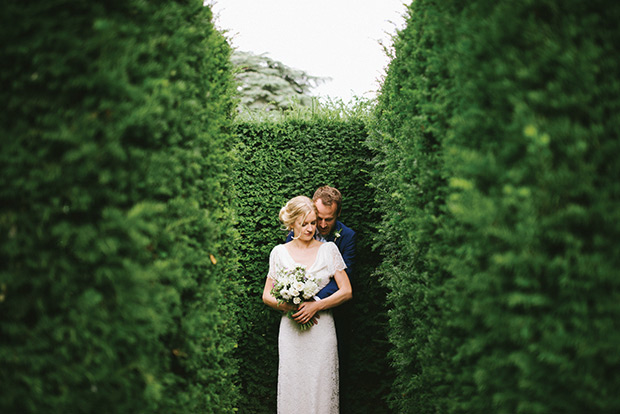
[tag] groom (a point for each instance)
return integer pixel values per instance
(328, 201)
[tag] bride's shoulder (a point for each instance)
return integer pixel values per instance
(330, 245)
(277, 254)
(277, 249)
(327, 248)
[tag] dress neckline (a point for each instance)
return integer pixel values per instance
(301, 264)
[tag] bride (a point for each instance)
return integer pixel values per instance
(308, 360)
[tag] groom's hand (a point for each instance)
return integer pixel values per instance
(307, 312)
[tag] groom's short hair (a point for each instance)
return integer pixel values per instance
(329, 195)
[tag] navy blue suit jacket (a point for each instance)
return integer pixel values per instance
(346, 246)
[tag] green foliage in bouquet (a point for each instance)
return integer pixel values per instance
(497, 132)
(278, 160)
(116, 239)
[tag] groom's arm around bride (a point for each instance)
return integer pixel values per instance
(328, 201)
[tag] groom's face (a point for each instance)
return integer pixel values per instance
(327, 217)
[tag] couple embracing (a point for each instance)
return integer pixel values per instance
(308, 277)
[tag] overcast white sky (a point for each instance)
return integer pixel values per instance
(339, 39)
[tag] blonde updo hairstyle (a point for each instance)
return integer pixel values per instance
(296, 207)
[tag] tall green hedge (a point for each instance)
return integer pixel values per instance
(276, 161)
(115, 234)
(497, 132)
(535, 188)
(411, 123)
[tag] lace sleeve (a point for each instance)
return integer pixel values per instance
(273, 260)
(336, 262)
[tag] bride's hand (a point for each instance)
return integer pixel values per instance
(307, 313)
(286, 307)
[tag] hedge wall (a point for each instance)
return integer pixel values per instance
(276, 161)
(411, 123)
(497, 131)
(115, 239)
(544, 239)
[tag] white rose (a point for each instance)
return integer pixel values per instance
(310, 289)
(294, 292)
(285, 294)
(298, 286)
(296, 301)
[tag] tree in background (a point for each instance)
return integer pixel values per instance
(267, 84)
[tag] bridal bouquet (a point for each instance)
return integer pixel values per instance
(294, 286)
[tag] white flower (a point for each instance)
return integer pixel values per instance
(296, 301)
(298, 286)
(285, 294)
(310, 288)
(294, 292)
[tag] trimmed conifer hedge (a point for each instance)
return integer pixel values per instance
(276, 161)
(412, 116)
(497, 132)
(116, 243)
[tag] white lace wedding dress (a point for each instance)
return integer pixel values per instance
(308, 367)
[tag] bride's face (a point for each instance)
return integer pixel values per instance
(304, 227)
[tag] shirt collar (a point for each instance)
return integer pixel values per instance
(331, 236)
